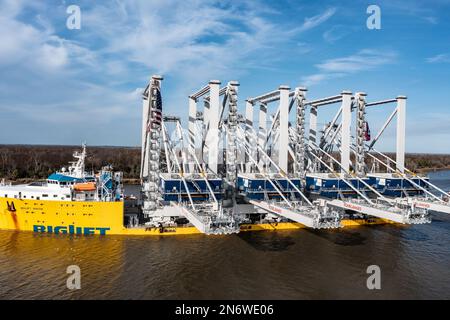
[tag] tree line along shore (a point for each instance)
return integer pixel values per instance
(24, 163)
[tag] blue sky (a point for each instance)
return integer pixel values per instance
(61, 86)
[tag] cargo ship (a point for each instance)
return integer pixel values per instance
(75, 202)
(266, 178)
(70, 200)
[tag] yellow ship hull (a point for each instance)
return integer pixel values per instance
(105, 218)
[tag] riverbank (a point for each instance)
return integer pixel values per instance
(26, 163)
(427, 170)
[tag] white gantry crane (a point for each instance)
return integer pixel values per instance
(362, 195)
(227, 168)
(188, 186)
(266, 183)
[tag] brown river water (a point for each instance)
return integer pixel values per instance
(300, 264)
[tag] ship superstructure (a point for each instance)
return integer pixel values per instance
(71, 184)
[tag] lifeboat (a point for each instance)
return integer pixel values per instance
(84, 186)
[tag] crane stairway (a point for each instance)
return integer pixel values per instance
(312, 216)
(400, 212)
(209, 219)
(427, 203)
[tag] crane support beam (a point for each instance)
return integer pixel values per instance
(249, 108)
(208, 224)
(360, 133)
(313, 124)
(284, 128)
(262, 130)
(377, 103)
(212, 136)
(192, 129)
(395, 214)
(299, 137)
(201, 92)
(151, 143)
(401, 133)
(428, 204)
(345, 131)
(318, 101)
(264, 96)
(304, 215)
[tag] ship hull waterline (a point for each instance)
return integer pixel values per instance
(106, 218)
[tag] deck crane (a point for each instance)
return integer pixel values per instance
(379, 206)
(218, 216)
(151, 134)
(182, 190)
(406, 211)
(281, 192)
(278, 171)
(438, 200)
(314, 215)
(155, 210)
(207, 215)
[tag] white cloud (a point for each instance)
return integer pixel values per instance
(432, 20)
(440, 58)
(85, 79)
(336, 33)
(168, 36)
(365, 59)
(317, 78)
(423, 10)
(303, 47)
(34, 47)
(317, 20)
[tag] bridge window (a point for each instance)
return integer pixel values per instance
(45, 196)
